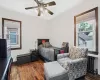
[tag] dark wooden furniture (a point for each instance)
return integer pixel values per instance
(34, 55)
(5, 59)
(23, 58)
(5, 65)
(26, 58)
(5, 50)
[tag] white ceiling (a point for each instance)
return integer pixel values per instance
(19, 6)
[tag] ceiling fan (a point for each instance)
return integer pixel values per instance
(41, 6)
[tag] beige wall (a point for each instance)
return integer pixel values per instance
(62, 27)
(32, 28)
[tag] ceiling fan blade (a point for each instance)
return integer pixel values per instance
(50, 12)
(39, 12)
(36, 1)
(31, 7)
(50, 3)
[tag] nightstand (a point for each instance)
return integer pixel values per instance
(34, 55)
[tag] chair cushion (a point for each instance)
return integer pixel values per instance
(63, 62)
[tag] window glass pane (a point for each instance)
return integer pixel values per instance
(13, 37)
(13, 33)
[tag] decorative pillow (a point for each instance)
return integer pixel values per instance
(43, 41)
(44, 44)
(61, 51)
(84, 52)
(40, 46)
(64, 44)
(75, 53)
(47, 44)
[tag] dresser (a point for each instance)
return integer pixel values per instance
(5, 59)
(5, 67)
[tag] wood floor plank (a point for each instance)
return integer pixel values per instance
(35, 71)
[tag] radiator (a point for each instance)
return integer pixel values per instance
(90, 66)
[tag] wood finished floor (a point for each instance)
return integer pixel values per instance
(35, 71)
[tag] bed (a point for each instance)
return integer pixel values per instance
(47, 54)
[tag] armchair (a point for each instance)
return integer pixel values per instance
(75, 62)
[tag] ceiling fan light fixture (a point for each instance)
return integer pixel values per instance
(42, 14)
(47, 5)
(36, 10)
(45, 11)
(41, 8)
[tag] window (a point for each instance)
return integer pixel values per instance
(11, 30)
(85, 33)
(13, 36)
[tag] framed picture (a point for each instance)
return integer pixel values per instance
(86, 30)
(11, 30)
